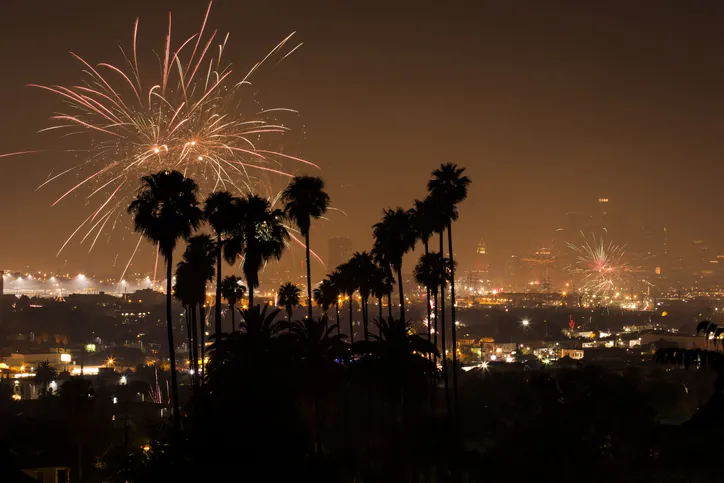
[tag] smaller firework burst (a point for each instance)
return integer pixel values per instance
(600, 265)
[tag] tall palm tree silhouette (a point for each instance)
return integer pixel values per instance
(232, 290)
(183, 291)
(288, 297)
(325, 295)
(426, 224)
(262, 234)
(382, 285)
(395, 236)
(200, 258)
(449, 187)
(165, 210)
(336, 280)
(365, 270)
(346, 280)
(220, 210)
(433, 271)
(305, 199)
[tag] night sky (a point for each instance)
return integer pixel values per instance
(549, 105)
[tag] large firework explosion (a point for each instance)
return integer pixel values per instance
(600, 266)
(193, 116)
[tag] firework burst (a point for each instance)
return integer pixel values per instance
(192, 117)
(599, 265)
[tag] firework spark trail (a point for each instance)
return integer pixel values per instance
(601, 266)
(190, 117)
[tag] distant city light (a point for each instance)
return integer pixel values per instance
(81, 277)
(525, 322)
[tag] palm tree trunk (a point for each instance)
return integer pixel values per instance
(309, 278)
(436, 321)
(233, 322)
(336, 309)
(217, 313)
(195, 343)
(202, 345)
(429, 319)
(379, 304)
(351, 323)
(389, 305)
(402, 294)
(190, 342)
(452, 317)
(365, 320)
(442, 329)
(171, 347)
(251, 295)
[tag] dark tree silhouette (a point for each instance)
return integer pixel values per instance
(325, 295)
(288, 296)
(183, 291)
(166, 209)
(449, 187)
(346, 279)
(45, 373)
(233, 291)
(220, 209)
(199, 260)
(317, 348)
(394, 237)
(363, 266)
(305, 199)
(261, 232)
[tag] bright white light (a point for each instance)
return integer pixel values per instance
(124, 380)
(485, 366)
(115, 400)
(201, 158)
(508, 359)
(493, 357)
(52, 279)
(156, 150)
(81, 277)
(193, 143)
(525, 322)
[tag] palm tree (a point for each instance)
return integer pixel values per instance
(347, 282)
(449, 187)
(263, 235)
(288, 297)
(317, 347)
(220, 210)
(395, 236)
(305, 199)
(382, 285)
(232, 290)
(45, 374)
(398, 358)
(426, 224)
(336, 280)
(200, 257)
(364, 269)
(433, 271)
(183, 291)
(165, 210)
(325, 295)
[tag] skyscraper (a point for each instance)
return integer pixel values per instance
(340, 251)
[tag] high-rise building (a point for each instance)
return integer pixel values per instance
(478, 278)
(340, 251)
